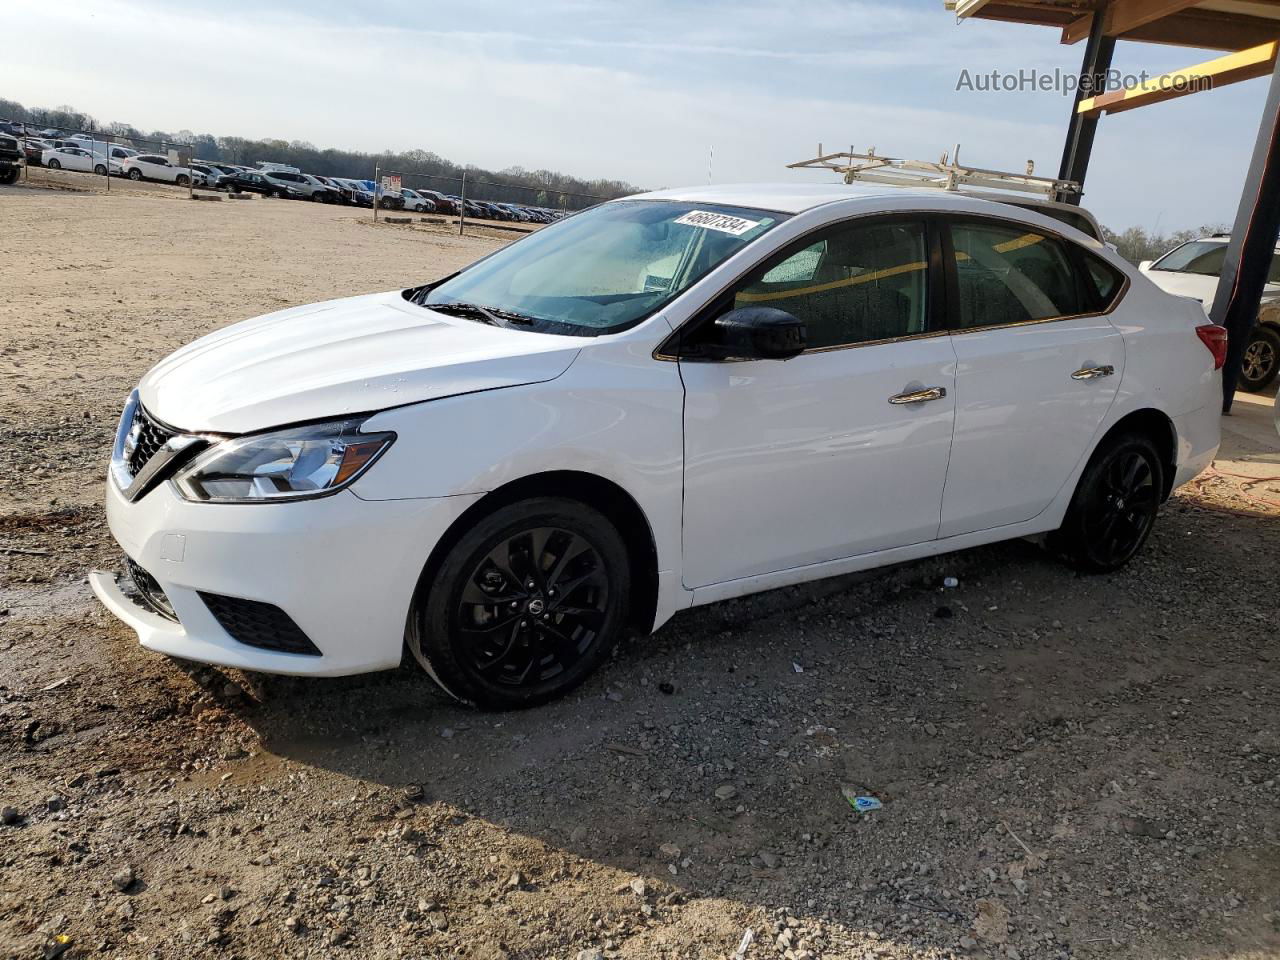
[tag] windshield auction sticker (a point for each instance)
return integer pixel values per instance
(735, 226)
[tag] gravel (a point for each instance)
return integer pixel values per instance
(1069, 767)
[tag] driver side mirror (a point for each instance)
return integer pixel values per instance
(1144, 266)
(756, 333)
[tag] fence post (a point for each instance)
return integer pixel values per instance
(377, 191)
(462, 205)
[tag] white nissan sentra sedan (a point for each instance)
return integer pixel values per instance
(661, 402)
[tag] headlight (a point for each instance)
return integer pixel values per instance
(292, 464)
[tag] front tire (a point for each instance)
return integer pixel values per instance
(524, 606)
(182, 180)
(1261, 360)
(1114, 507)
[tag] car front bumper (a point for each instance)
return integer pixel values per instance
(342, 568)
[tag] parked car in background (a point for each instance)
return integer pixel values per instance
(152, 166)
(299, 186)
(253, 181)
(34, 149)
(208, 177)
(68, 158)
(354, 192)
(417, 202)
(444, 204)
(661, 402)
(1191, 270)
(12, 158)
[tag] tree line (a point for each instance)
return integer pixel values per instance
(422, 168)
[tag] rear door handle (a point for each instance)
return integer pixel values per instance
(1093, 373)
(919, 396)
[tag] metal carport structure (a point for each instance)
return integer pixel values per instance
(1249, 30)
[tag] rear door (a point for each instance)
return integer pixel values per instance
(1038, 366)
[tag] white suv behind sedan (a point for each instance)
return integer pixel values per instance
(660, 402)
(1191, 269)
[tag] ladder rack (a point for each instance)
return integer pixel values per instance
(946, 174)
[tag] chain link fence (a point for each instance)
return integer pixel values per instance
(98, 154)
(476, 198)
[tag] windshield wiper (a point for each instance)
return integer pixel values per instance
(493, 316)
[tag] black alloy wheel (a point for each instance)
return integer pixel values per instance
(1261, 361)
(1114, 507)
(525, 605)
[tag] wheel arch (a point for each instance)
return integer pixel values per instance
(1159, 429)
(606, 496)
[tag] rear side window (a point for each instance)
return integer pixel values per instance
(1106, 280)
(1008, 274)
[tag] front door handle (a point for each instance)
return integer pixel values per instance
(1093, 373)
(919, 396)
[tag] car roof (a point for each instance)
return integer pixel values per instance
(799, 197)
(782, 197)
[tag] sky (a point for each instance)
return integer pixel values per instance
(643, 92)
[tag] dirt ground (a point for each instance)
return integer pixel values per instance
(1069, 767)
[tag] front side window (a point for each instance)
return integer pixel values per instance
(853, 284)
(1009, 274)
(602, 270)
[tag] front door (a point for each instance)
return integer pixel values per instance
(1038, 366)
(841, 450)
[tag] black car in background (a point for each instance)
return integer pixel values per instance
(251, 181)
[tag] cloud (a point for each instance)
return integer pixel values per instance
(608, 89)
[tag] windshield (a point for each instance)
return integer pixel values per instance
(1205, 258)
(605, 269)
(1198, 256)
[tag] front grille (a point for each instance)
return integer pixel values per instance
(149, 590)
(150, 435)
(258, 624)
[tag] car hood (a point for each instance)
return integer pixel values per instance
(1197, 285)
(341, 357)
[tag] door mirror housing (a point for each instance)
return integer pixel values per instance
(756, 333)
(1144, 266)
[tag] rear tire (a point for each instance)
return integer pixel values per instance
(1261, 360)
(1114, 507)
(135, 174)
(524, 606)
(54, 165)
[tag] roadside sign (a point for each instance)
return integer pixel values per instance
(390, 185)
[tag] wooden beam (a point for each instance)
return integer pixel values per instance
(1121, 16)
(1077, 29)
(1125, 15)
(1036, 15)
(967, 8)
(1208, 30)
(1257, 61)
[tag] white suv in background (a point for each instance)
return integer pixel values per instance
(152, 166)
(660, 402)
(1191, 270)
